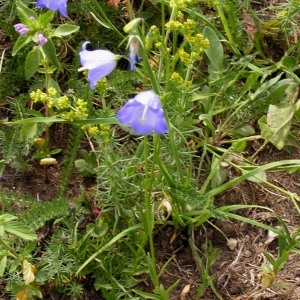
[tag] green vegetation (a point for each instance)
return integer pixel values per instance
(226, 74)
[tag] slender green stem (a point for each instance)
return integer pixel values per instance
(7, 247)
(149, 218)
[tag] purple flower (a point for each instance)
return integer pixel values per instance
(99, 63)
(144, 114)
(41, 40)
(21, 29)
(133, 52)
(60, 5)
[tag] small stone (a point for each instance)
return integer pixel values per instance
(232, 243)
(247, 253)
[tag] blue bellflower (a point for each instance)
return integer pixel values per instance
(133, 52)
(99, 63)
(144, 114)
(60, 5)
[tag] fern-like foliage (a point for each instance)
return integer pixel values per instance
(41, 212)
(74, 139)
(32, 212)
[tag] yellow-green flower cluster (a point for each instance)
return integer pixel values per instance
(105, 132)
(39, 96)
(188, 27)
(93, 130)
(185, 57)
(79, 112)
(101, 130)
(181, 4)
(174, 25)
(177, 79)
(101, 87)
(50, 98)
(198, 42)
(178, 4)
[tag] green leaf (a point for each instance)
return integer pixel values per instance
(219, 173)
(28, 131)
(275, 127)
(251, 82)
(65, 29)
(83, 168)
(50, 52)
(32, 62)
(3, 265)
(265, 86)
(244, 129)
(259, 177)
(214, 52)
(25, 13)
(21, 230)
(21, 42)
(17, 228)
(46, 18)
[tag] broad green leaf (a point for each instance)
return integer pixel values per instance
(10, 225)
(25, 13)
(65, 29)
(3, 265)
(46, 18)
(290, 62)
(214, 52)
(83, 168)
(50, 52)
(275, 127)
(21, 42)
(21, 230)
(6, 218)
(32, 62)
(28, 131)
(244, 129)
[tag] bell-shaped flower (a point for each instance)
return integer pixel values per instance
(60, 5)
(21, 29)
(99, 63)
(133, 52)
(144, 114)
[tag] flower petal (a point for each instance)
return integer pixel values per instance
(148, 98)
(101, 71)
(96, 58)
(144, 114)
(60, 5)
(128, 113)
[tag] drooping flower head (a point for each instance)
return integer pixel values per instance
(99, 63)
(21, 28)
(41, 40)
(133, 52)
(144, 114)
(60, 5)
